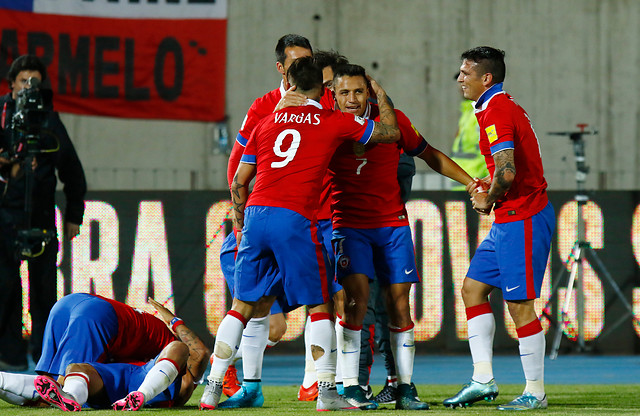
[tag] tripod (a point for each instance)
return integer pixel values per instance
(581, 250)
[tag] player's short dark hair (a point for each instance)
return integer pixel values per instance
(288, 41)
(329, 58)
(305, 74)
(26, 63)
(349, 70)
(490, 61)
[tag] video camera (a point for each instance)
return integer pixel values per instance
(22, 142)
(27, 122)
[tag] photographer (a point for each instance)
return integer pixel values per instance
(34, 144)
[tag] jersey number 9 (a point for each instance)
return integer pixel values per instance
(289, 153)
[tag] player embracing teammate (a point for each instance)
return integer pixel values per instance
(288, 153)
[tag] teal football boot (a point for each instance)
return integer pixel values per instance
(406, 398)
(249, 395)
(356, 396)
(473, 392)
(526, 401)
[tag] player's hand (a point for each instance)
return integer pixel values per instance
(291, 98)
(480, 203)
(164, 313)
(375, 87)
(71, 230)
(238, 238)
(477, 186)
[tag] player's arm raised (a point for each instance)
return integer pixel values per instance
(240, 194)
(385, 131)
(198, 351)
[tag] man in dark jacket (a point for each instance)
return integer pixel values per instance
(20, 158)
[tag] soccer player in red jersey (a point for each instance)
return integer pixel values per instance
(514, 255)
(167, 380)
(288, 153)
(88, 328)
(288, 48)
(308, 391)
(371, 233)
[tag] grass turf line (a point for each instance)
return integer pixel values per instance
(281, 400)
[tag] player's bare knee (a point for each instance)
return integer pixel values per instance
(179, 353)
(317, 351)
(522, 312)
(77, 368)
(222, 350)
(277, 331)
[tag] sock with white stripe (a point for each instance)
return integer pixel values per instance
(481, 327)
(404, 351)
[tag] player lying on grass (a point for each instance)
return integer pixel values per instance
(88, 328)
(166, 381)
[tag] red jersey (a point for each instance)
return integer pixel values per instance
(141, 336)
(364, 179)
(261, 108)
(505, 125)
(292, 149)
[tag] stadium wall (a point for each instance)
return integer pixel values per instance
(166, 245)
(569, 62)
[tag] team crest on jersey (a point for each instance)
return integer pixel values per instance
(359, 120)
(344, 262)
(491, 133)
(358, 149)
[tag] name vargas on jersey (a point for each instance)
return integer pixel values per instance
(297, 118)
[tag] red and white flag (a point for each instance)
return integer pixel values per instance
(153, 59)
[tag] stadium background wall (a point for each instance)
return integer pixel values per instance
(166, 245)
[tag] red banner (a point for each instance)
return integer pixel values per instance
(130, 68)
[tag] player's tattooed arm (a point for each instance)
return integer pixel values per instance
(503, 176)
(240, 193)
(239, 199)
(198, 351)
(386, 131)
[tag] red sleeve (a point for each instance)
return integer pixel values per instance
(411, 141)
(234, 161)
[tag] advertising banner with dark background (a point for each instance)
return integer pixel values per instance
(166, 245)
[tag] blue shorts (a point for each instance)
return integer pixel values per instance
(326, 229)
(228, 253)
(121, 379)
(294, 244)
(513, 257)
(78, 330)
(384, 253)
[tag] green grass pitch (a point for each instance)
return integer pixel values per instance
(281, 400)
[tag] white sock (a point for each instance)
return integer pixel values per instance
(238, 355)
(310, 376)
(481, 327)
(323, 335)
(532, 347)
(404, 351)
(77, 385)
(18, 385)
(254, 341)
(350, 354)
(271, 344)
(227, 343)
(340, 345)
(161, 375)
